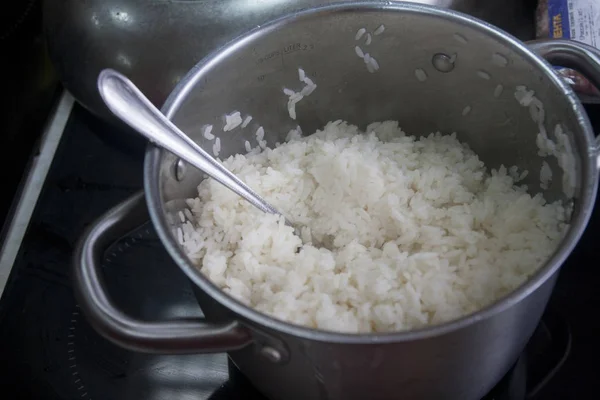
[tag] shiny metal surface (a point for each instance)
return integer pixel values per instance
(181, 336)
(130, 105)
(570, 54)
(577, 56)
(155, 42)
(457, 360)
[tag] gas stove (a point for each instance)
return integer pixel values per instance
(51, 352)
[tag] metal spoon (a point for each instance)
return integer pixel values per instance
(128, 103)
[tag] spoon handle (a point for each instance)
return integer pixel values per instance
(128, 103)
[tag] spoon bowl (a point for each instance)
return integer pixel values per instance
(130, 105)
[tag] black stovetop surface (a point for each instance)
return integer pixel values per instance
(49, 351)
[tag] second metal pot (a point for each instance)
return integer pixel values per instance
(473, 95)
(156, 42)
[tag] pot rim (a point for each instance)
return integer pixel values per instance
(263, 321)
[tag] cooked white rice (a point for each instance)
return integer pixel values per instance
(561, 148)
(301, 75)
(295, 97)
(207, 133)
(416, 230)
(374, 64)
(260, 134)
(360, 33)
(216, 147)
(246, 121)
(359, 51)
(232, 121)
(484, 75)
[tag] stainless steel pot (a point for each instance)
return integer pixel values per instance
(156, 42)
(457, 360)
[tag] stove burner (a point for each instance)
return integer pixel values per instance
(144, 281)
(97, 367)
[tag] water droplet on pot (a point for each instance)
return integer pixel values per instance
(443, 62)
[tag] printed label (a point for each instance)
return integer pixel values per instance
(575, 19)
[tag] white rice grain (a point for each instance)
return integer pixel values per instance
(359, 51)
(524, 96)
(207, 133)
(292, 109)
(561, 149)
(360, 33)
(294, 134)
(418, 231)
(180, 235)
(260, 134)
(421, 75)
(379, 30)
(499, 59)
(484, 75)
(566, 161)
(308, 81)
(374, 63)
(536, 110)
(307, 90)
(246, 121)
(295, 97)
(232, 121)
(216, 147)
(292, 104)
(247, 146)
(301, 74)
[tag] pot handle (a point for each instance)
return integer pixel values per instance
(574, 55)
(169, 337)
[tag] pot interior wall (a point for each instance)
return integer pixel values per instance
(476, 99)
